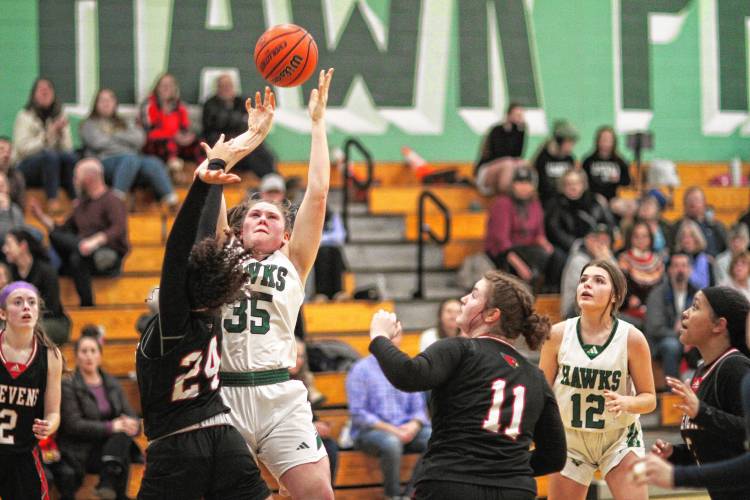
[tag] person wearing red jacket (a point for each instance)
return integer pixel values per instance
(167, 125)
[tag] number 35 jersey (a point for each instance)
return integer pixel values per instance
(586, 371)
(259, 328)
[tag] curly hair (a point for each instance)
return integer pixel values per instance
(214, 273)
(516, 304)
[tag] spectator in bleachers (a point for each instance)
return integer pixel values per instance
(446, 324)
(167, 125)
(502, 152)
(29, 262)
(605, 168)
(43, 144)
(225, 113)
(574, 211)
(5, 276)
(302, 373)
(386, 422)
(16, 182)
(739, 273)
(596, 245)
(650, 211)
(739, 239)
(117, 143)
(643, 269)
(554, 158)
(97, 425)
(714, 233)
(515, 239)
(94, 239)
(665, 305)
(329, 266)
(11, 215)
(690, 240)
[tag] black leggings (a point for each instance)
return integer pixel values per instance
(449, 490)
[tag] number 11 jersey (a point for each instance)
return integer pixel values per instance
(585, 371)
(259, 328)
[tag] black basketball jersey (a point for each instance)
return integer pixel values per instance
(180, 388)
(22, 401)
(708, 436)
(484, 418)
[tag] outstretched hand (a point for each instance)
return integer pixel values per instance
(230, 151)
(319, 96)
(260, 116)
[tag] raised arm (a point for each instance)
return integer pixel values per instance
(428, 370)
(308, 227)
(174, 306)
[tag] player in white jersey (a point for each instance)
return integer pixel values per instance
(600, 370)
(270, 410)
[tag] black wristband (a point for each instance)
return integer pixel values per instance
(217, 164)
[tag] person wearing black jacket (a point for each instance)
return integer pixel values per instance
(225, 113)
(713, 422)
(488, 402)
(502, 152)
(194, 451)
(554, 158)
(605, 167)
(574, 211)
(97, 425)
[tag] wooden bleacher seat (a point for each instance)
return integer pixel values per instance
(121, 290)
(341, 317)
(403, 200)
(118, 358)
(118, 321)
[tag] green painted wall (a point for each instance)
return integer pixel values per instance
(683, 63)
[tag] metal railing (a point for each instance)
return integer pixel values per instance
(352, 142)
(424, 229)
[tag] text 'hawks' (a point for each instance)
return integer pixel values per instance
(270, 275)
(19, 396)
(591, 378)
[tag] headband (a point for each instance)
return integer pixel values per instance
(12, 287)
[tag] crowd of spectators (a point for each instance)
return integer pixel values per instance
(552, 215)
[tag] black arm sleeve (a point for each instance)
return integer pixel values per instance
(426, 371)
(210, 214)
(681, 455)
(550, 450)
(713, 475)
(174, 306)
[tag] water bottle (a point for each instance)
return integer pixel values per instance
(735, 169)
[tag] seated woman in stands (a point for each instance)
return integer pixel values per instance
(97, 425)
(690, 240)
(643, 269)
(167, 125)
(117, 143)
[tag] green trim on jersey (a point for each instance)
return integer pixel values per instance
(250, 379)
(593, 350)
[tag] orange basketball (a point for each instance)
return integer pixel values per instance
(286, 55)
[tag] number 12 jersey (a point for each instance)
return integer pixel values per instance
(586, 371)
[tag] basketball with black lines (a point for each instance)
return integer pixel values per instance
(286, 55)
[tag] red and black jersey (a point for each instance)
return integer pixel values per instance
(22, 389)
(178, 358)
(488, 404)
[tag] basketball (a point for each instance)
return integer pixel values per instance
(286, 55)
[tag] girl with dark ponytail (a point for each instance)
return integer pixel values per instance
(488, 402)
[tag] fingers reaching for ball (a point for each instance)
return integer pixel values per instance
(319, 96)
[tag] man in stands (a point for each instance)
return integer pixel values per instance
(94, 239)
(664, 307)
(694, 204)
(386, 422)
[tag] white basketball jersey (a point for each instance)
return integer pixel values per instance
(259, 328)
(585, 372)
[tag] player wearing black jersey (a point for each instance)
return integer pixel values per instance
(712, 424)
(29, 393)
(488, 402)
(194, 452)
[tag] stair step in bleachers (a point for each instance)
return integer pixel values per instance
(405, 199)
(118, 321)
(123, 290)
